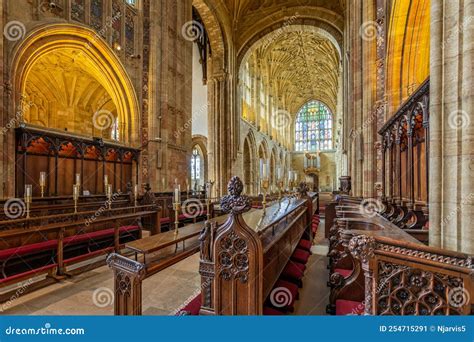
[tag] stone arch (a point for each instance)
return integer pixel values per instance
(201, 142)
(284, 25)
(408, 50)
(111, 73)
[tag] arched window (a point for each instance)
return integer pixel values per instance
(197, 177)
(313, 128)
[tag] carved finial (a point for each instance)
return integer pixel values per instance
(303, 189)
(235, 203)
(362, 247)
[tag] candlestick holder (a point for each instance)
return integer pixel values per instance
(109, 195)
(176, 208)
(280, 186)
(265, 187)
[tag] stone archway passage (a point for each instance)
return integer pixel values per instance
(77, 71)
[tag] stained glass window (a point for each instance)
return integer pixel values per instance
(196, 168)
(313, 128)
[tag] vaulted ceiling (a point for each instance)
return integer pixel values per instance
(299, 65)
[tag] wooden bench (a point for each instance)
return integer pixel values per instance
(26, 253)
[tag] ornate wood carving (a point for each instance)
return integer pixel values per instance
(128, 284)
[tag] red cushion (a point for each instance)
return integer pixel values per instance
(165, 220)
(271, 311)
(97, 234)
(88, 255)
(349, 307)
(193, 307)
(343, 272)
(28, 249)
(301, 266)
(301, 256)
(284, 295)
(292, 271)
(305, 244)
(31, 273)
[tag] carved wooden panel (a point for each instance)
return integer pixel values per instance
(403, 290)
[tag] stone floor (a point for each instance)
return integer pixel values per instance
(91, 293)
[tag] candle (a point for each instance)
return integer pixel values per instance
(177, 194)
(290, 176)
(109, 190)
(28, 192)
(42, 178)
(75, 192)
(280, 173)
(135, 191)
(106, 181)
(264, 169)
(78, 179)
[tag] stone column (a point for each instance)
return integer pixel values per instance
(220, 132)
(452, 125)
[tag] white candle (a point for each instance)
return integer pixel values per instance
(290, 176)
(135, 191)
(75, 192)
(42, 178)
(106, 181)
(280, 173)
(78, 179)
(177, 194)
(28, 190)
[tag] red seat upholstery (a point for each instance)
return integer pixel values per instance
(193, 307)
(271, 311)
(165, 220)
(28, 249)
(305, 244)
(349, 307)
(284, 293)
(97, 234)
(30, 273)
(292, 271)
(301, 256)
(343, 272)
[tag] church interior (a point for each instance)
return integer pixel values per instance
(237, 157)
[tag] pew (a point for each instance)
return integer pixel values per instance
(357, 278)
(26, 252)
(248, 248)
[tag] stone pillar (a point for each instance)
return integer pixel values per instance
(452, 125)
(220, 132)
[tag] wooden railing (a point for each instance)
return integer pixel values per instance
(389, 272)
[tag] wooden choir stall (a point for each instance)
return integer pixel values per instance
(242, 254)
